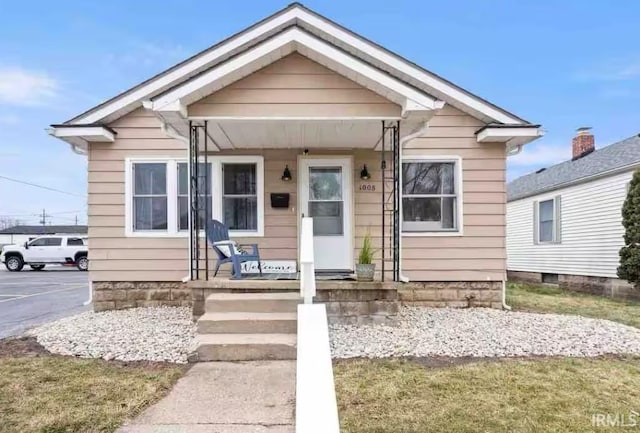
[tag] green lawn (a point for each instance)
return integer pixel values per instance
(563, 395)
(550, 395)
(548, 299)
(54, 394)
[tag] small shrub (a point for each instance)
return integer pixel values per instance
(366, 253)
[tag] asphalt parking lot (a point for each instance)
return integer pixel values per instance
(30, 298)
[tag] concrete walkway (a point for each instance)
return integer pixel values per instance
(225, 397)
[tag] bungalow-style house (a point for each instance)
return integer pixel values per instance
(297, 116)
(564, 223)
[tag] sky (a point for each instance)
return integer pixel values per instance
(563, 64)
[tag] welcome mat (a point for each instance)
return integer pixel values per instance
(292, 276)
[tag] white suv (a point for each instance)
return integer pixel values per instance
(46, 250)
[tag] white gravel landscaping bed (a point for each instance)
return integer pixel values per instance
(483, 332)
(163, 334)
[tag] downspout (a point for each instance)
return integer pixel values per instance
(419, 133)
(90, 300)
(504, 295)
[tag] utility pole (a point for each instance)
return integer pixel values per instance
(76, 219)
(43, 217)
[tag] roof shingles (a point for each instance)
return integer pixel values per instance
(625, 153)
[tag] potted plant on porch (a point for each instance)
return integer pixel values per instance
(365, 268)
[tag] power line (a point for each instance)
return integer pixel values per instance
(41, 186)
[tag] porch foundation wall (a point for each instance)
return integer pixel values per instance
(601, 286)
(456, 294)
(118, 295)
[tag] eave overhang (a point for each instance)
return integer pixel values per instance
(514, 136)
(79, 135)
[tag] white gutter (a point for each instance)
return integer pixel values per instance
(419, 133)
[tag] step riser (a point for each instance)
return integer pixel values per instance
(247, 327)
(251, 306)
(251, 352)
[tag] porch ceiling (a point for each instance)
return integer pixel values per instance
(328, 134)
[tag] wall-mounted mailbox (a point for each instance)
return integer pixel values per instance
(280, 200)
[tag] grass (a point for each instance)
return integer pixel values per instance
(62, 394)
(549, 299)
(507, 396)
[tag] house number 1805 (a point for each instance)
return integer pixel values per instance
(367, 187)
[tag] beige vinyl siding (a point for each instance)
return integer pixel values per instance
(294, 86)
(479, 254)
(115, 257)
(112, 255)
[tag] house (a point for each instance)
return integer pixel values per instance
(297, 116)
(564, 223)
(23, 233)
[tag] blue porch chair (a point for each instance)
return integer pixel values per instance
(228, 251)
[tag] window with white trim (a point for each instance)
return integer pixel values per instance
(158, 195)
(430, 196)
(548, 221)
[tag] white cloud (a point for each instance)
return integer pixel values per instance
(19, 86)
(540, 155)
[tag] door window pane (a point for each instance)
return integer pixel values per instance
(39, 242)
(327, 218)
(150, 196)
(75, 241)
(239, 196)
(325, 183)
(53, 242)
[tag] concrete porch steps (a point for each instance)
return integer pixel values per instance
(247, 323)
(248, 327)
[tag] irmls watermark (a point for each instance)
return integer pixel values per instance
(625, 420)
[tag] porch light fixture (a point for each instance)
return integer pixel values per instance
(286, 174)
(364, 173)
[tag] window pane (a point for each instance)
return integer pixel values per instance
(546, 231)
(74, 241)
(183, 178)
(448, 184)
(546, 210)
(183, 213)
(421, 178)
(239, 179)
(448, 212)
(150, 179)
(240, 213)
(421, 209)
(38, 242)
(327, 217)
(149, 213)
(325, 183)
(54, 242)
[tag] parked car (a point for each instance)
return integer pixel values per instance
(46, 250)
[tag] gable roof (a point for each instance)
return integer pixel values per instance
(611, 159)
(44, 230)
(296, 15)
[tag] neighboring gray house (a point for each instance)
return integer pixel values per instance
(564, 223)
(23, 233)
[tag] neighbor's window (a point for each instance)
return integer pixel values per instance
(149, 196)
(429, 196)
(545, 224)
(548, 220)
(239, 196)
(204, 194)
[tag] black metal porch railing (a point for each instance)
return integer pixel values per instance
(390, 168)
(198, 180)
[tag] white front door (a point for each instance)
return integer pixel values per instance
(325, 194)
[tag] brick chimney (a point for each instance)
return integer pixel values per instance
(583, 143)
